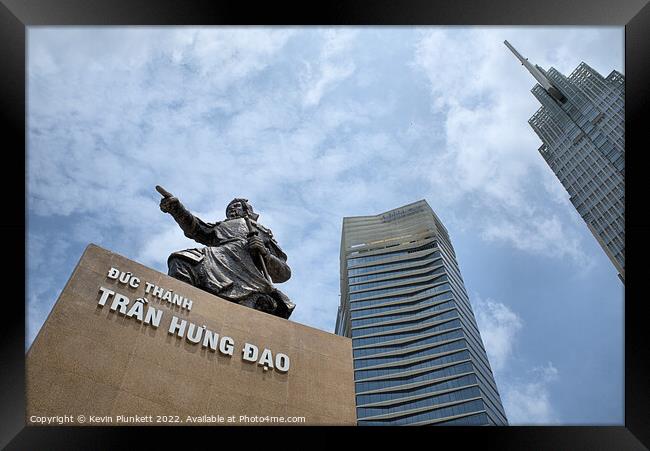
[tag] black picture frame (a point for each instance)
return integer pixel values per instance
(16, 15)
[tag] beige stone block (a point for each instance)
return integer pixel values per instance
(66, 393)
(89, 359)
(167, 389)
(97, 259)
(128, 405)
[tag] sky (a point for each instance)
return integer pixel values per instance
(315, 124)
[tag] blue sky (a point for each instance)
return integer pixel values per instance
(314, 124)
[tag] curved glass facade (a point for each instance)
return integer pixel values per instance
(418, 355)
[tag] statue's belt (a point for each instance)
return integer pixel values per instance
(194, 255)
(197, 255)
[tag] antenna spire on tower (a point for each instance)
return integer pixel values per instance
(539, 74)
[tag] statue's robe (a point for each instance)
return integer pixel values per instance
(225, 267)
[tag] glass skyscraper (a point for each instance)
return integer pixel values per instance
(581, 125)
(418, 354)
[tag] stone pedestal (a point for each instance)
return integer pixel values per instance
(178, 356)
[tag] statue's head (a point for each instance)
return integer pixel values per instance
(238, 208)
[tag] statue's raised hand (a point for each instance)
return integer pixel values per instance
(169, 204)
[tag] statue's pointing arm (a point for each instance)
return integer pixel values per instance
(192, 226)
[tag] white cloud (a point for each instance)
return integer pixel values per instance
(499, 326)
(114, 112)
(45, 254)
(174, 124)
(529, 402)
(490, 161)
(543, 236)
(526, 398)
(226, 55)
(333, 66)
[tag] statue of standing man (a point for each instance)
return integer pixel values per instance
(241, 259)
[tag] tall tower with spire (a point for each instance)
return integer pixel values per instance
(581, 125)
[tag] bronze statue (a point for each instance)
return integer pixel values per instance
(241, 259)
